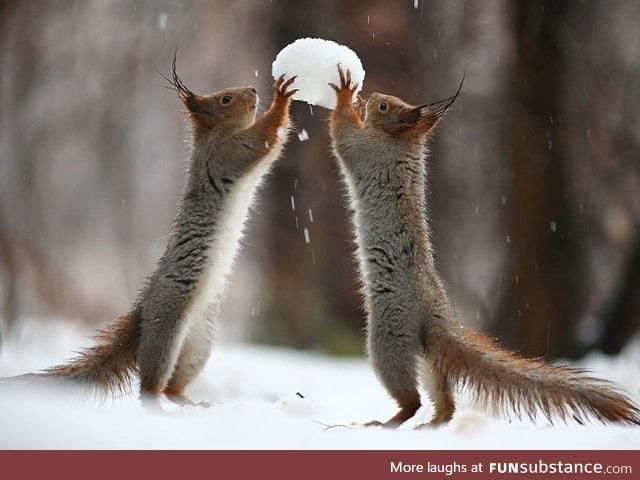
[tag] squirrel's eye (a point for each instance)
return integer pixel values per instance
(383, 107)
(226, 99)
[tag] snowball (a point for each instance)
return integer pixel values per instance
(315, 61)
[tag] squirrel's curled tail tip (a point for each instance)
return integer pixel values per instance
(527, 387)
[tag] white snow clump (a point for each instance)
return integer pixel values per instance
(315, 62)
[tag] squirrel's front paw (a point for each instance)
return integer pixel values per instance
(281, 86)
(346, 89)
(345, 82)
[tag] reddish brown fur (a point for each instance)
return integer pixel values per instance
(104, 369)
(142, 344)
(453, 355)
(510, 383)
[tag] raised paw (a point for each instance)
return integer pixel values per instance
(345, 92)
(345, 82)
(281, 86)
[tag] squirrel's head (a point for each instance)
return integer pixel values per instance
(396, 117)
(232, 109)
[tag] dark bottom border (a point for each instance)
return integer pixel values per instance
(310, 465)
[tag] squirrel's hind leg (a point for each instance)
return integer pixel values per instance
(395, 364)
(440, 392)
(194, 354)
(408, 408)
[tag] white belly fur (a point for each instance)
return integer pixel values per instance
(200, 316)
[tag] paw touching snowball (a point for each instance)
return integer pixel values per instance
(314, 61)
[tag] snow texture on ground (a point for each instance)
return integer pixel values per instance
(314, 61)
(268, 398)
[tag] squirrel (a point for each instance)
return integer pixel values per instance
(167, 335)
(413, 335)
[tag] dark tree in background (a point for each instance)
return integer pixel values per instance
(544, 292)
(534, 175)
(602, 104)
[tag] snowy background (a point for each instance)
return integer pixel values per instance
(257, 406)
(535, 183)
(534, 201)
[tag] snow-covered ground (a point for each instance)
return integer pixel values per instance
(269, 398)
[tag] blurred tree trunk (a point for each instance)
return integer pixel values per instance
(9, 271)
(544, 290)
(603, 125)
(310, 284)
(621, 315)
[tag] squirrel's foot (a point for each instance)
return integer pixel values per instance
(184, 401)
(407, 410)
(427, 426)
(438, 420)
(391, 424)
(430, 425)
(374, 423)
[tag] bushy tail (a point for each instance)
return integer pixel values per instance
(105, 368)
(526, 387)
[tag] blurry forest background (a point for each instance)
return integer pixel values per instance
(535, 173)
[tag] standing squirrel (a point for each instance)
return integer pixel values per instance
(167, 335)
(413, 333)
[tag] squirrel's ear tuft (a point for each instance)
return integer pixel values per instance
(432, 113)
(198, 107)
(430, 117)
